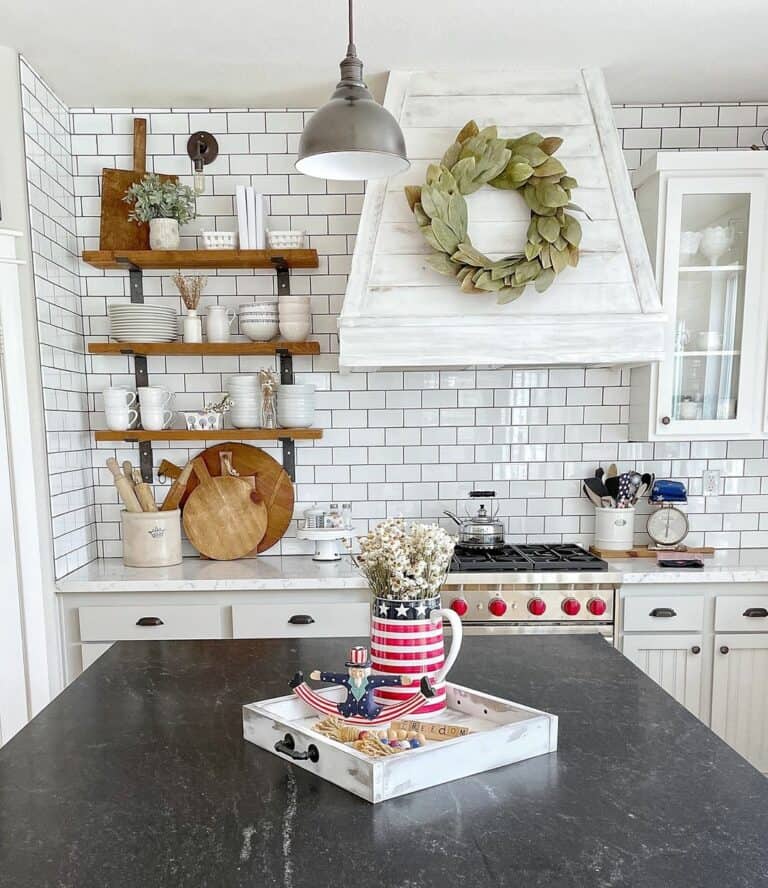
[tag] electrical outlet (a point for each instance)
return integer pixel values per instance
(710, 482)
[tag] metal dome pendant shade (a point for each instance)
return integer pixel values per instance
(352, 136)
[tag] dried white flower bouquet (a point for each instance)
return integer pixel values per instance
(405, 561)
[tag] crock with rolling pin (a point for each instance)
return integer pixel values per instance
(482, 529)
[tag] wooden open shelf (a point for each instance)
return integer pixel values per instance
(204, 348)
(133, 435)
(201, 258)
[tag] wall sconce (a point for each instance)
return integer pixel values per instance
(203, 149)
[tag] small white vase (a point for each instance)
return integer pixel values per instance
(164, 234)
(193, 326)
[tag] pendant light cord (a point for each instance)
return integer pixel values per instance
(351, 49)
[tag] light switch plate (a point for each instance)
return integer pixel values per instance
(710, 482)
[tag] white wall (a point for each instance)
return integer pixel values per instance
(395, 443)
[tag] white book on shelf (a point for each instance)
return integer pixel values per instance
(242, 217)
(260, 220)
(250, 205)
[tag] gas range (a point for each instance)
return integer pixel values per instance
(531, 588)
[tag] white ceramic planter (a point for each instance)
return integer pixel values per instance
(164, 234)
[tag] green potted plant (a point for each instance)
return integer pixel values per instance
(165, 205)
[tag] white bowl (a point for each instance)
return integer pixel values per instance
(295, 331)
(259, 331)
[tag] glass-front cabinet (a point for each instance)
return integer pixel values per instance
(704, 217)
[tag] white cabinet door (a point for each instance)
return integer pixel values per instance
(740, 695)
(712, 291)
(672, 661)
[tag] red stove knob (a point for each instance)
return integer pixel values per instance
(460, 606)
(537, 606)
(498, 607)
(596, 606)
(571, 606)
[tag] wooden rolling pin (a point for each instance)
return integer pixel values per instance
(124, 487)
(179, 486)
(143, 493)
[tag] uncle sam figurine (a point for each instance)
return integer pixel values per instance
(359, 706)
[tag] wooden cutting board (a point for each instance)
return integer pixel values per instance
(272, 483)
(117, 232)
(221, 519)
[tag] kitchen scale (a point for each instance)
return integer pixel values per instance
(668, 526)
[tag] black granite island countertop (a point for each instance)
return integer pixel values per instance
(138, 775)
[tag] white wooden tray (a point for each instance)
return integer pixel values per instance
(502, 733)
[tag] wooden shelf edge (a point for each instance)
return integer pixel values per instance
(204, 348)
(137, 435)
(169, 259)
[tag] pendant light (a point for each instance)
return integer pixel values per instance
(352, 136)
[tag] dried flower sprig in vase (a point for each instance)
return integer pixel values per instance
(191, 289)
(404, 561)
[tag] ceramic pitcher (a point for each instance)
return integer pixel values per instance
(219, 323)
(407, 639)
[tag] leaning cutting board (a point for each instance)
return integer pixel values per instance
(221, 518)
(117, 232)
(272, 483)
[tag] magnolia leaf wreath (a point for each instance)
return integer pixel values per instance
(479, 157)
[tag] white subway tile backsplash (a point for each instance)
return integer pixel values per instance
(396, 442)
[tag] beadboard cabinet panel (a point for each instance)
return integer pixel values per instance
(672, 661)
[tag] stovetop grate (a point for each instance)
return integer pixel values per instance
(527, 557)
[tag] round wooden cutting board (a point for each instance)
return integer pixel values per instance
(272, 483)
(221, 519)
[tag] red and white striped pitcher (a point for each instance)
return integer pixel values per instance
(407, 639)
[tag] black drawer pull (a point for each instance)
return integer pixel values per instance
(288, 747)
(755, 612)
(663, 612)
(149, 621)
(301, 619)
(724, 649)
(695, 649)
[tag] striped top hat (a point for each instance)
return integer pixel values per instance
(358, 657)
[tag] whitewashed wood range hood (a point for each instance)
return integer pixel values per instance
(398, 312)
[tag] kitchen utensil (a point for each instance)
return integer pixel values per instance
(628, 484)
(591, 496)
(480, 530)
(143, 492)
(178, 488)
(597, 486)
(124, 487)
(612, 486)
(117, 232)
(218, 325)
(128, 469)
(151, 539)
(611, 471)
(220, 519)
(272, 483)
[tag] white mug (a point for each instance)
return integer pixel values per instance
(120, 419)
(153, 396)
(117, 396)
(218, 324)
(155, 420)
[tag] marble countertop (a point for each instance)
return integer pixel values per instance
(138, 774)
(300, 572)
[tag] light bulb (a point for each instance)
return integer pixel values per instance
(198, 181)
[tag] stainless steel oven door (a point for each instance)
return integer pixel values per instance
(604, 629)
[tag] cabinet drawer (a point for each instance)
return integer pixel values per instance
(162, 621)
(301, 620)
(741, 613)
(663, 613)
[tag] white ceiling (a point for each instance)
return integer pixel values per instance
(157, 53)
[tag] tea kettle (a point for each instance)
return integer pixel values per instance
(480, 530)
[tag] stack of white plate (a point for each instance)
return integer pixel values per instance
(295, 406)
(245, 391)
(136, 322)
(295, 318)
(258, 320)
